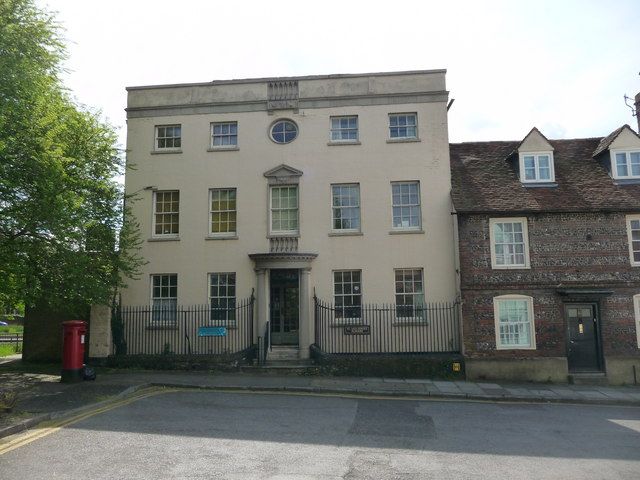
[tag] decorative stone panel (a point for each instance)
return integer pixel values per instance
(282, 95)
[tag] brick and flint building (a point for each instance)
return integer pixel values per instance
(549, 256)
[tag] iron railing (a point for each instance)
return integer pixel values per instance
(184, 330)
(387, 328)
(264, 345)
(11, 338)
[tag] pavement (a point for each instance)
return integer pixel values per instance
(41, 396)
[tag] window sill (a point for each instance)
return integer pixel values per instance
(163, 239)
(283, 235)
(164, 152)
(346, 142)
(626, 181)
(403, 232)
(403, 140)
(539, 184)
(223, 149)
(221, 237)
(345, 234)
(523, 347)
(510, 267)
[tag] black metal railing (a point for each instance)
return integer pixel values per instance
(264, 345)
(388, 328)
(184, 330)
(11, 339)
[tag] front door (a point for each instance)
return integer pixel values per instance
(583, 349)
(284, 307)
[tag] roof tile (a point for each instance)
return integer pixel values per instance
(483, 180)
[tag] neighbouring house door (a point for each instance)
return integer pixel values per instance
(284, 307)
(583, 344)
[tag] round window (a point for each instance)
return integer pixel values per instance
(284, 131)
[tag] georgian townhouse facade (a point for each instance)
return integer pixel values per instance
(336, 185)
(549, 257)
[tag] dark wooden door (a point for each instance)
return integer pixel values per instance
(284, 307)
(583, 346)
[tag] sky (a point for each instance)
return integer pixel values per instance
(562, 65)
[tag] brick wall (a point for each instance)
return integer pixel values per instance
(567, 251)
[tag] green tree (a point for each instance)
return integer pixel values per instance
(62, 236)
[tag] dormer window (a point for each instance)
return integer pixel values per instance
(625, 164)
(536, 167)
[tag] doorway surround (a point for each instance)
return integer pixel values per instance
(264, 262)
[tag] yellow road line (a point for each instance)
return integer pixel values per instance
(47, 428)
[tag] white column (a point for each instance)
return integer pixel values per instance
(306, 328)
(262, 310)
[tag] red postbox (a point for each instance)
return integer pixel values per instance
(73, 339)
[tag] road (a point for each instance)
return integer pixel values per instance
(202, 434)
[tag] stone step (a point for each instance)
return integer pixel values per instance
(283, 353)
(588, 378)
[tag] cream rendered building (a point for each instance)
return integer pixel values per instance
(334, 184)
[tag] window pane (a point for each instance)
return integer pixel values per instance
(347, 294)
(164, 298)
(223, 210)
(406, 205)
(509, 243)
(409, 293)
(514, 323)
(222, 298)
(402, 126)
(346, 206)
(634, 158)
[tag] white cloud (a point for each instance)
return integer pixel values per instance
(563, 66)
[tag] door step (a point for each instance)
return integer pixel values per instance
(588, 378)
(283, 354)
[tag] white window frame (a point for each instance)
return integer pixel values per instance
(407, 137)
(531, 319)
(154, 213)
(419, 205)
(631, 218)
(284, 133)
(229, 320)
(636, 311)
(614, 164)
(340, 130)
(537, 179)
(284, 232)
(525, 234)
(213, 135)
(211, 212)
(345, 319)
(156, 138)
(417, 316)
(157, 314)
(334, 208)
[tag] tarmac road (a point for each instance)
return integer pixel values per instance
(203, 434)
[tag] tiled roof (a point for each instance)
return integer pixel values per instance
(606, 141)
(483, 180)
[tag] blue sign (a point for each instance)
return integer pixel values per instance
(212, 331)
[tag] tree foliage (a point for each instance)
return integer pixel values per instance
(62, 237)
